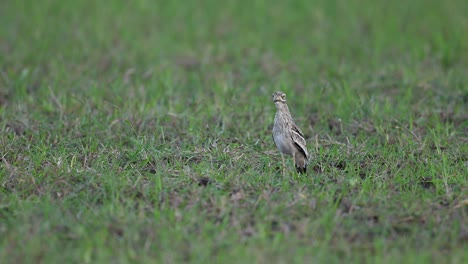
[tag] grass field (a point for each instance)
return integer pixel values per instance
(140, 131)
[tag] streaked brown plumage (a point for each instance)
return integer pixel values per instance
(288, 138)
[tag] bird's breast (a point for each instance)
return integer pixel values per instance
(283, 143)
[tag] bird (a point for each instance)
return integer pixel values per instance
(287, 136)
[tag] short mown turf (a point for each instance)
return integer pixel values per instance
(140, 131)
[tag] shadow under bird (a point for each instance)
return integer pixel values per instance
(288, 138)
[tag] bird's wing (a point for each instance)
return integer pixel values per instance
(299, 140)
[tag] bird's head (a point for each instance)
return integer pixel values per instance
(279, 97)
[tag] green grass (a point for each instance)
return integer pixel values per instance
(140, 131)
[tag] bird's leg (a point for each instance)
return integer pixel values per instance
(294, 160)
(284, 165)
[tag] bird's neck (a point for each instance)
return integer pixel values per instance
(282, 107)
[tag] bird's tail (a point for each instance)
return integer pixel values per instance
(301, 163)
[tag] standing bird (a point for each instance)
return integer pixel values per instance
(287, 136)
